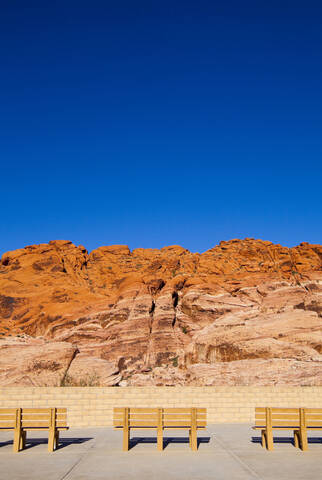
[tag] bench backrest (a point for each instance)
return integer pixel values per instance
(184, 417)
(165, 417)
(277, 417)
(313, 417)
(136, 417)
(43, 417)
(9, 417)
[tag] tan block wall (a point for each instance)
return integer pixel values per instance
(93, 406)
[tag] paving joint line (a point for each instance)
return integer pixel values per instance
(64, 477)
(235, 457)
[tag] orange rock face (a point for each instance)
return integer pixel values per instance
(244, 312)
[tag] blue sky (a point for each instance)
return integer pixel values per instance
(157, 123)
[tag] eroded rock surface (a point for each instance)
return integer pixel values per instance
(34, 362)
(244, 312)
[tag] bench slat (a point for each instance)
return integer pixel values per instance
(30, 424)
(167, 416)
(280, 427)
(35, 410)
(183, 410)
(177, 410)
(43, 416)
(289, 416)
(151, 414)
(276, 410)
(182, 423)
(5, 411)
(143, 410)
(41, 429)
(7, 425)
(277, 414)
(283, 423)
(7, 417)
(173, 428)
(183, 414)
(142, 423)
(284, 410)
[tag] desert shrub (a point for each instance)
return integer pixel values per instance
(175, 361)
(91, 380)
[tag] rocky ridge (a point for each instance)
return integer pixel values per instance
(244, 312)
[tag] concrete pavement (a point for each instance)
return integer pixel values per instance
(231, 452)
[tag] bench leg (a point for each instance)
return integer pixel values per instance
(56, 439)
(296, 438)
(190, 438)
(194, 439)
(264, 444)
(23, 437)
(126, 439)
(303, 439)
(17, 440)
(160, 439)
(269, 439)
(51, 440)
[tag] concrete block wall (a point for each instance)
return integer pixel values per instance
(93, 406)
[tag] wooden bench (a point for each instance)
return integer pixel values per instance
(22, 420)
(52, 419)
(297, 419)
(10, 419)
(310, 419)
(159, 419)
(267, 419)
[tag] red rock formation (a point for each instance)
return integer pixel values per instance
(246, 311)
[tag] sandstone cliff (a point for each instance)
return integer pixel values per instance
(245, 312)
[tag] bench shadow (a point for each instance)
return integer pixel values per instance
(166, 441)
(7, 442)
(287, 440)
(63, 442)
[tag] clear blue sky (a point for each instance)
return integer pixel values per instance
(156, 123)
